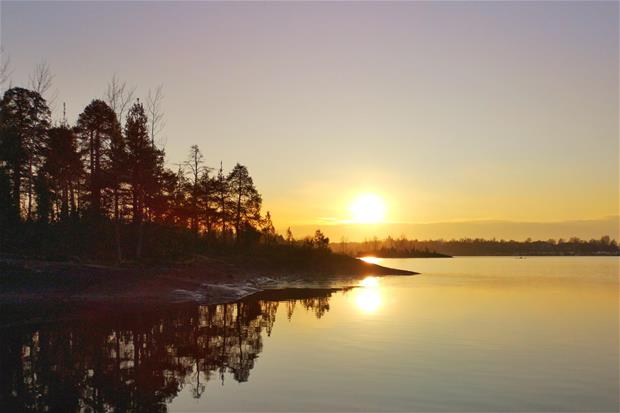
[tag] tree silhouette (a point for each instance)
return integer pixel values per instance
(289, 236)
(320, 241)
(143, 165)
(24, 120)
(97, 127)
(64, 168)
(131, 362)
(195, 161)
(221, 193)
(118, 96)
(404, 247)
(103, 192)
(268, 230)
(14, 157)
(41, 81)
(245, 198)
(155, 112)
(5, 68)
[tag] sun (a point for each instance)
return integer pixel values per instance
(368, 209)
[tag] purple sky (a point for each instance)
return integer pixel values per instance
(448, 110)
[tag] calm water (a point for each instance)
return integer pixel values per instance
(477, 334)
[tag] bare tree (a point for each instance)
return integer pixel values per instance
(41, 81)
(5, 68)
(154, 111)
(118, 96)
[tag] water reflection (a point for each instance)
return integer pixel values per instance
(368, 297)
(137, 360)
(372, 260)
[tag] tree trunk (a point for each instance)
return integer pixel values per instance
(15, 208)
(117, 229)
(96, 179)
(140, 236)
(30, 178)
(64, 205)
(140, 227)
(238, 218)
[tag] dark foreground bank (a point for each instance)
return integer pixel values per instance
(203, 279)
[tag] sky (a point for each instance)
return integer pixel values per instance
(456, 114)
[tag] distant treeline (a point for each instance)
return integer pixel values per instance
(403, 247)
(101, 189)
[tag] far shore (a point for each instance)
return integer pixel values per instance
(203, 279)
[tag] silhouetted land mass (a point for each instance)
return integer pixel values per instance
(85, 359)
(196, 280)
(405, 253)
(406, 248)
(98, 194)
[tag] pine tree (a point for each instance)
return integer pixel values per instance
(268, 230)
(24, 120)
(194, 161)
(144, 167)
(289, 236)
(222, 200)
(64, 168)
(97, 128)
(246, 199)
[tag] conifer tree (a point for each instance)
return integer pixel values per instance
(245, 198)
(97, 128)
(24, 120)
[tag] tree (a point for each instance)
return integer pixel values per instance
(208, 201)
(194, 162)
(268, 230)
(43, 196)
(222, 200)
(116, 175)
(169, 203)
(41, 81)
(5, 68)
(144, 166)
(7, 217)
(289, 236)
(320, 241)
(64, 168)
(118, 96)
(97, 128)
(155, 112)
(247, 201)
(13, 158)
(24, 120)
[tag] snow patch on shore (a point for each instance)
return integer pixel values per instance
(209, 293)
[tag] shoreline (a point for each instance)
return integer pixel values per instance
(204, 280)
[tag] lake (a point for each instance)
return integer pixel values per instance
(468, 334)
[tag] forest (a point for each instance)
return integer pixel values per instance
(100, 188)
(403, 247)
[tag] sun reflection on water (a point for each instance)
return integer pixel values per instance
(371, 260)
(368, 296)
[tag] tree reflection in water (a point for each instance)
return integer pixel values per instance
(136, 360)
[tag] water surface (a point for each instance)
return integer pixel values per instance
(477, 334)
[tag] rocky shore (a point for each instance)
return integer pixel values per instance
(203, 279)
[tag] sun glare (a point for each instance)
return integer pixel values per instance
(368, 297)
(371, 260)
(369, 282)
(368, 209)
